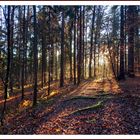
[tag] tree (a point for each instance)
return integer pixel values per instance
(74, 53)
(62, 51)
(43, 49)
(115, 39)
(83, 42)
(79, 49)
(23, 53)
(49, 49)
(35, 57)
(8, 63)
(70, 50)
(122, 74)
(91, 43)
(131, 30)
(137, 40)
(11, 74)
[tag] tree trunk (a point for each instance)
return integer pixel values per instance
(74, 57)
(52, 58)
(26, 47)
(70, 50)
(43, 50)
(11, 46)
(125, 41)
(62, 51)
(83, 42)
(131, 29)
(8, 64)
(91, 44)
(35, 57)
(23, 53)
(49, 53)
(122, 75)
(79, 49)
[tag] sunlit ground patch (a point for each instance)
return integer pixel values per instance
(25, 104)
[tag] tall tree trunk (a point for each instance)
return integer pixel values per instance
(70, 50)
(23, 53)
(79, 49)
(11, 46)
(131, 29)
(91, 44)
(85, 51)
(19, 48)
(62, 51)
(137, 39)
(56, 62)
(52, 57)
(74, 57)
(83, 42)
(122, 75)
(49, 53)
(43, 50)
(125, 40)
(8, 64)
(94, 54)
(26, 47)
(35, 57)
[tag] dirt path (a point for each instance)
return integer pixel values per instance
(95, 107)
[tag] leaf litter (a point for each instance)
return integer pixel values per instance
(118, 114)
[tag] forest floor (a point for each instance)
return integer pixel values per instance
(101, 106)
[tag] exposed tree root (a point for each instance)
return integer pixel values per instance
(89, 108)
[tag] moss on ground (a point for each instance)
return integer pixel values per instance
(98, 105)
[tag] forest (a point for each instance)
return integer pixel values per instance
(69, 69)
